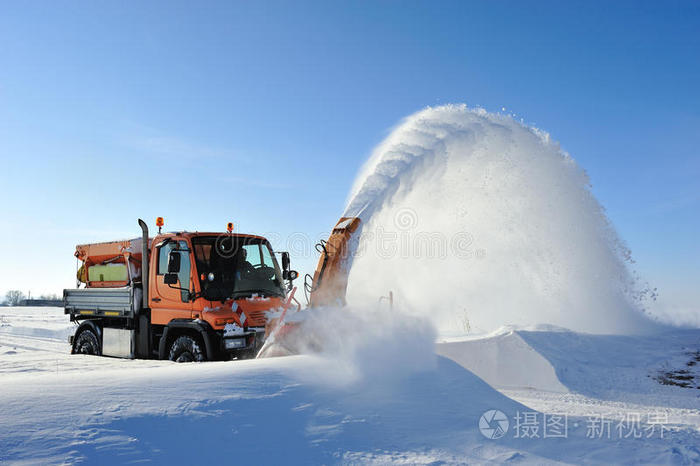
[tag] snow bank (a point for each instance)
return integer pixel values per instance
(606, 366)
(504, 361)
(584, 373)
(40, 322)
(475, 221)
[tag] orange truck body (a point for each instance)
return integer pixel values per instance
(198, 302)
(165, 302)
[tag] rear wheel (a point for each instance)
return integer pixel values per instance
(87, 343)
(186, 349)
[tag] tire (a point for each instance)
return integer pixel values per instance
(186, 349)
(87, 343)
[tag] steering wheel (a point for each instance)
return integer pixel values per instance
(263, 271)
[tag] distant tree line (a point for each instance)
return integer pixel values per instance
(15, 297)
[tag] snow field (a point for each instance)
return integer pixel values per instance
(323, 409)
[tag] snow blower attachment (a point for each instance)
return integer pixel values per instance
(327, 288)
(330, 280)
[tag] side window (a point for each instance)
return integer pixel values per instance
(267, 257)
(269, 261)
(184, 275)
(252, 254)
(163, 253)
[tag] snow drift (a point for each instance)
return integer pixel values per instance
(479, 221)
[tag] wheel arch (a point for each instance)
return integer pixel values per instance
(200, 330)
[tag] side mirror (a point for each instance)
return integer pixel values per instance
(285, 266)
(174, 262)
(170, 278)
(292, 275)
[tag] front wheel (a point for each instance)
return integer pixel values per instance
(186, 349)
(87, 343)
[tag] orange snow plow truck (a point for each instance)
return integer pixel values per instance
(181, 296)
(189, 296)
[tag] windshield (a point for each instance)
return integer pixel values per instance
(233, 266)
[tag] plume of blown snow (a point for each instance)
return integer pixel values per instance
(368, 344)
(476, 221)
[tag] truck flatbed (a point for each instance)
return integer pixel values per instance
(107, 302)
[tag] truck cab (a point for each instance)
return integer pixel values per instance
(184, 296)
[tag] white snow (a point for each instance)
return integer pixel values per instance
(233, 329)
(481, 221)
(492, 359)
(56, 408)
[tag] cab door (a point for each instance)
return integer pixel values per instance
(171, 302)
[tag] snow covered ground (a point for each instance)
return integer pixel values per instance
(598, 399)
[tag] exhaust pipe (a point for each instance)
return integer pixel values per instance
(144, 262)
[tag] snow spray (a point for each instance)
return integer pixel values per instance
(476, 221)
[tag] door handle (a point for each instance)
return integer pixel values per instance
(157, 300)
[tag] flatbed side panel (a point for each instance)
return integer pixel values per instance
(112, 302)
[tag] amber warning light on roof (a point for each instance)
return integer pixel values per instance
(159, 223)
(229, 227)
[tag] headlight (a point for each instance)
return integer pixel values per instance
(234, 343)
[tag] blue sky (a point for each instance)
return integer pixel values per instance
(263, 112)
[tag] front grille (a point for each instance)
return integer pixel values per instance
(258, 315)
